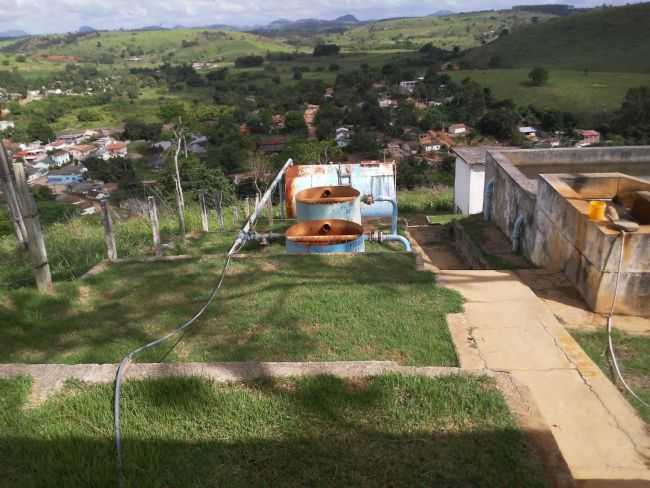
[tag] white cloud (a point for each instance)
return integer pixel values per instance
(40, 16)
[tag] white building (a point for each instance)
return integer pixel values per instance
(469, 178)
(6, 124)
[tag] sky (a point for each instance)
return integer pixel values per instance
(48, 16)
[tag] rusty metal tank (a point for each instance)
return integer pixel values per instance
(329, 202)
(325, 237)
(367, 177)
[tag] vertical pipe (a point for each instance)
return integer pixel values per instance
(109, 237)
(155, 225)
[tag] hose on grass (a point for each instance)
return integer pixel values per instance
(610, 325)
(239, 242)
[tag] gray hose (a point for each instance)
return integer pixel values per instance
(242, 237)
(610, 322)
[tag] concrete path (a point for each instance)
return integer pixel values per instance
(506, 327)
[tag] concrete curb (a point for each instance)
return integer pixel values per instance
(49, 378)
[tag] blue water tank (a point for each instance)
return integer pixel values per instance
(329, 202)
(325, 237)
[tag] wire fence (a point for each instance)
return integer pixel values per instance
(75, 243)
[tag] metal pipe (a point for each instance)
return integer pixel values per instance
(487, 201)
(393, 222)
(517, 231)
(383, 237)
(242, 237)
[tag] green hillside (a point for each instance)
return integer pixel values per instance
(183, 45)
(610, 39)
(462, 30)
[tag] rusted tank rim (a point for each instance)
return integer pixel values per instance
(327, 194)
(323, 232)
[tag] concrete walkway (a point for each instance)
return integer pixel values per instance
(506, 327)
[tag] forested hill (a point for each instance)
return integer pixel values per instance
(606, 39)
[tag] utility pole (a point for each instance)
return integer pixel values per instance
(155, 225)
(34, 233)
(7, 186)
(109, 237)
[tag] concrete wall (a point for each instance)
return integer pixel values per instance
(557, 233)
(512, 197)
(469, 181)
(589, 252)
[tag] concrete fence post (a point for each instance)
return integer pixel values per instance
(204, 213)
(155, 225)
(35, 241)
(109, 237)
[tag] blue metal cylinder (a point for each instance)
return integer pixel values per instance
(329, 202)
(325, 237)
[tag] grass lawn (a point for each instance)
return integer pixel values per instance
(383, 431)
(633, 355)
(572, 91)
(426, 200)
(272, 307)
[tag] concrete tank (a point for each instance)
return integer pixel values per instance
(329, 202)
(324, 237)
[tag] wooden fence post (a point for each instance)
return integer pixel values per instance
(35, 242)
(155, 225)
(7, 187)
(235, 213)
(204, 213)
(109, 237)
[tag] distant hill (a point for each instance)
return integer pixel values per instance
(464, 30)
(10, 34)
(87, 29)
(604, 39)
(309, 25)
(348, 19)
(441, 13)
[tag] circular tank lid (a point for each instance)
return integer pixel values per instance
(330, 231)
(328, 194)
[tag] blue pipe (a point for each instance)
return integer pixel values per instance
(381, 237)
(487, 201)
(393, 222)
(517, 231)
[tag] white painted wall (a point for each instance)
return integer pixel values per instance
(468, 187)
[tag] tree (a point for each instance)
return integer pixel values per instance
(326, 50)
(40, 130)
(249, 61)
(294, 123)
(136, 129)
(499, 123)
(633, 118)
(538, 76)
(87, 116)
(364, 142)
(171, 110)
(116, 170)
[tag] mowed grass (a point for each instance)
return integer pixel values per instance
(571, 91)
(323, 431)
(274, 308)
(633, 355)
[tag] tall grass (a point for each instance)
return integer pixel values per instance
(426, 200)
(76, 244)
